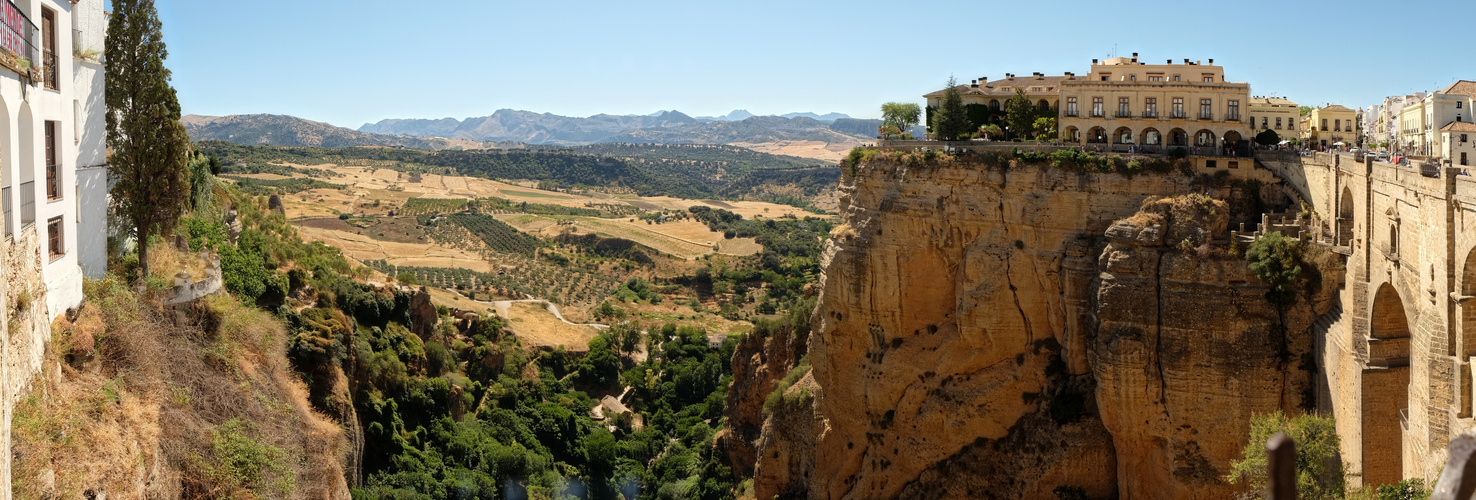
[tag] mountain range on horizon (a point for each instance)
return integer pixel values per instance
(548, 128)
(509, 128)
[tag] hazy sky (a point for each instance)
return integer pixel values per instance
(351, 62)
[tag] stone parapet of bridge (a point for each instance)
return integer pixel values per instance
(1396, 372)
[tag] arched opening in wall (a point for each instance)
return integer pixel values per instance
(994, 104)
(1468, 334)
(1204, 138)
(1231, 141)
(1151, 137)
(1071, 134)
(1345, 218)
(1043, 105)
(1178, 137)
(1097, 134)
(1386, 390)
(26, 166)
(7, 170)
(1393, 240)
(1123, 135)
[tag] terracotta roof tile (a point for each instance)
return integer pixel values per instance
(1460, 87)
(1459, 127)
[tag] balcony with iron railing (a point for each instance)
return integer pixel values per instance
(20, 40)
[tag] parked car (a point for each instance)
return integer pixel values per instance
(1383, 155)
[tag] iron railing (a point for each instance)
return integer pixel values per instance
(28, 202)
(18, 34)
(53, 184)
(5, 199)
(51, 72)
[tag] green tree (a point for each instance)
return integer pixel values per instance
(1277, 261)
(148, 144)
(950, 121)
(1319, 470)
(992, 131)
(1304, 110)
(1045, 128)
(1019, 115)
(1268, 137)
(900, 116)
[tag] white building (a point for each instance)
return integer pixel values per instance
(52, 138)
(1420, 122)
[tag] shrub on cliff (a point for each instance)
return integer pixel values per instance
(1277, 261)
(1319, 469)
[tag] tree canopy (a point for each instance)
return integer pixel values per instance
(1268, 137)
(899, 117)
(148, 144)
(1019, 116)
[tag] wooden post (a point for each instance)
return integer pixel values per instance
(1281, 468)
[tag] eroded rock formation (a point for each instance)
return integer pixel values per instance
(957, 346)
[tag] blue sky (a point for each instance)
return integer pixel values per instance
(351, 62)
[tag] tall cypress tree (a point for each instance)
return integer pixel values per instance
(149, 145)
(950, 121)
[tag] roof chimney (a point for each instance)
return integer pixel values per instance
(1094, 61)
(984, 79)
(1212, 62)
(974, 84)
(1186, 61)
(1196, 62)
(1171, 62)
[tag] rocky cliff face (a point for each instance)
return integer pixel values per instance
(957, 346)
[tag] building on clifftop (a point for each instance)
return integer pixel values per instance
(1124, 104)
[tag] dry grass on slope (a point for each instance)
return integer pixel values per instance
(136, 402)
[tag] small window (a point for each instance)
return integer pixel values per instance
(1176, 78)
(1233, 164)
(1209, 164)
(1458, 104)
(55, 243)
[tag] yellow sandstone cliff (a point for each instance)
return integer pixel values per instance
(983, 329)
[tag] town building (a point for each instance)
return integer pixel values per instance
(985, 100)
(1124, 104)
(52, 144)
(1277, 114)
(1458, 143)
(1422, 121)
(1043, 91)
(1331, 124)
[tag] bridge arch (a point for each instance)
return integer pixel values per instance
(1386, 389)
(1345, 217)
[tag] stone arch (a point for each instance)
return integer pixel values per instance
(1468, 306)
(1071, 134)
(1097, 134)
(1043, 105)
(1345, 217)
(1231, 139)
(1204, 138)
(1151, 137)
(1122, 135)
(1178, 137)
(994, 104)
(1385, 389)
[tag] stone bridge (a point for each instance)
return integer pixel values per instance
(1395, 359)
